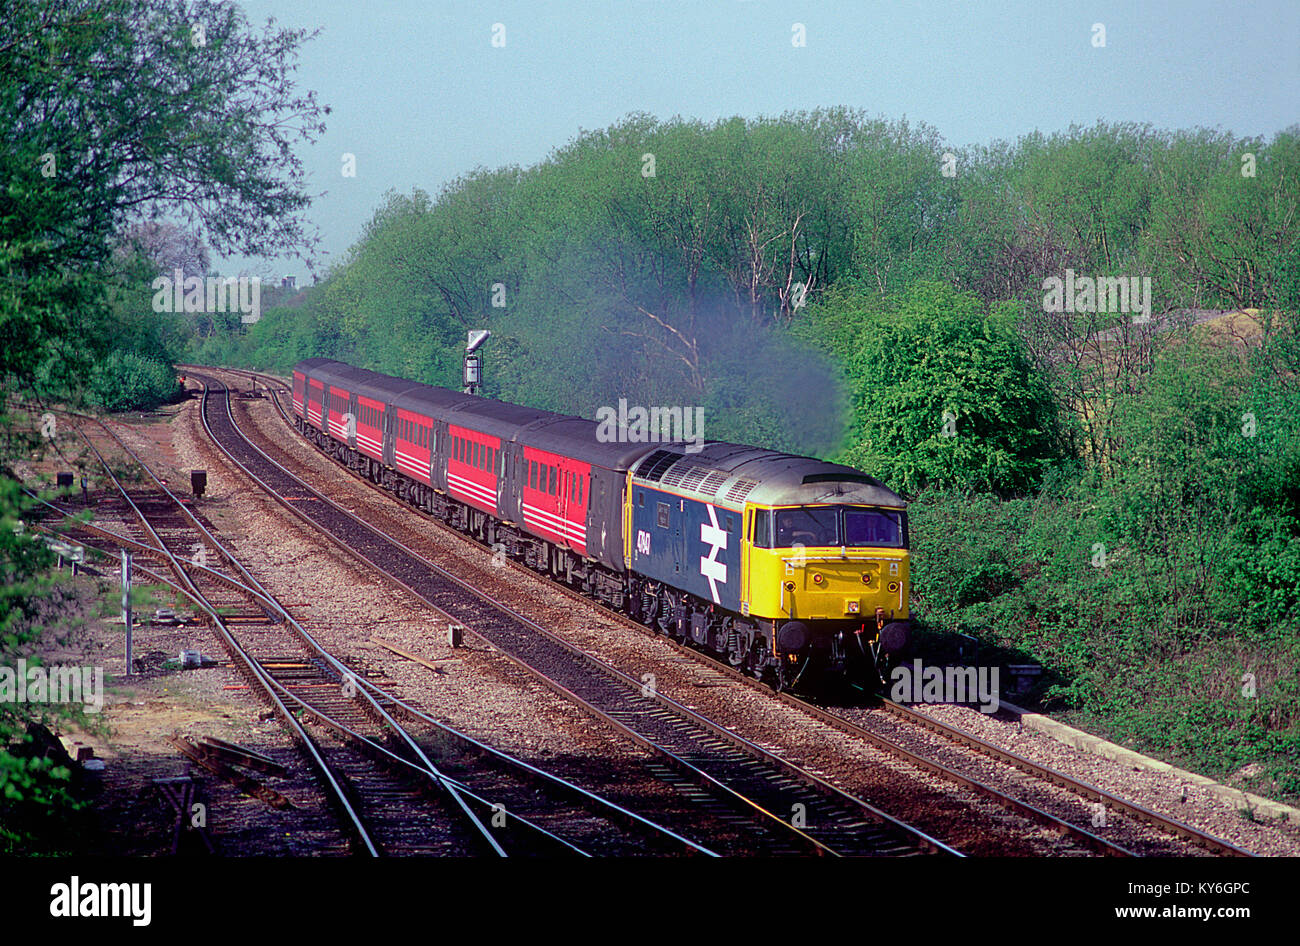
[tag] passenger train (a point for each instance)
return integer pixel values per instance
(790, 568)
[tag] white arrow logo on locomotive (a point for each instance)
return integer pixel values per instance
(710, 567)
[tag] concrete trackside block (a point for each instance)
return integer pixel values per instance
(1095, 745)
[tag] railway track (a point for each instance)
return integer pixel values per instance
(1063, 804)
(775, 806)
(379, 775)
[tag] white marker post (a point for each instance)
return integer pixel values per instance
(126, 605)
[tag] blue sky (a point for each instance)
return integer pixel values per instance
(420, 95)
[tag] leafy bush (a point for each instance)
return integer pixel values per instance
(1150, 590)
(125, 381)
(943, 392)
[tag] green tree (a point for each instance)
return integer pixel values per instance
(120, 109)
(943, 393)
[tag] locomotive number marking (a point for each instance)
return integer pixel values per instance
(642, 542)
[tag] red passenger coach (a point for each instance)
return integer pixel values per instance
(370, 427)
(413, 444)
(473, 465)
(555, 488)
(338, 413)
(315, 402)
(299, 393)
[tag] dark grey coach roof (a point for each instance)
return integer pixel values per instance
(545, 430)
(729, 474)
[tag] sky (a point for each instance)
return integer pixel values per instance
(420, 95)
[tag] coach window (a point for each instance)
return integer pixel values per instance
(553, 490)
(581, 482)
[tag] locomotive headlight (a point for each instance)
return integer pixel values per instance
(893, 586)
(817, 579)
(789, 586)
(866, 578)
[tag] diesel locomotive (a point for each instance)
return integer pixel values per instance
(792, 569)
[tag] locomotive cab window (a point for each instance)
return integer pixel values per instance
(762, 529)
(822, 526)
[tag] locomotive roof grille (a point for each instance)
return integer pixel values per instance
(713, 482)
(693, 477)
(740, 489)
(657, 464)
(841, 478)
